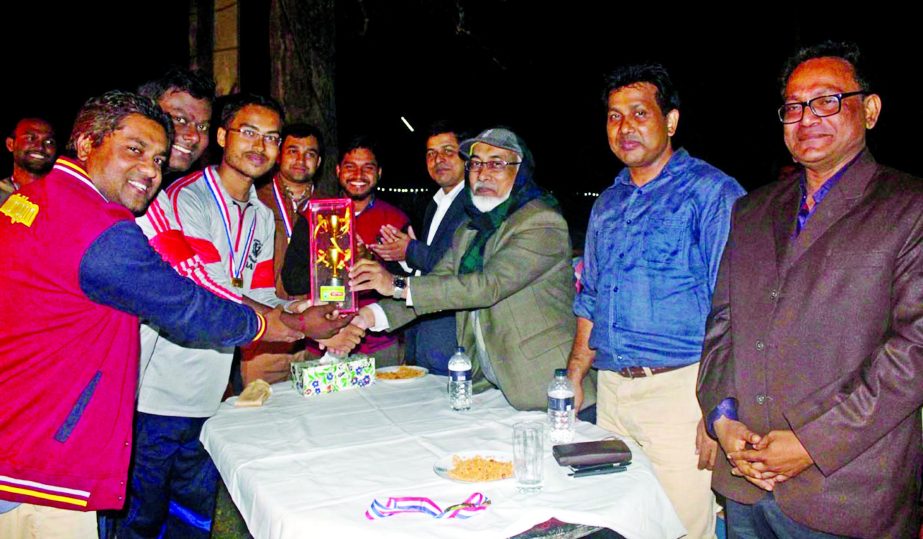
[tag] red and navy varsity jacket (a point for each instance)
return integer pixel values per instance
(76, 272)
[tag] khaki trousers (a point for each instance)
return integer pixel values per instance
(40, 522)
(661, 413)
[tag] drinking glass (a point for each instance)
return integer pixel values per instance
(528, 455)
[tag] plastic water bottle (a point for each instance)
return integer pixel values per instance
(460, 380)
(561, 408)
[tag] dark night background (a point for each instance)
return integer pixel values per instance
(535, 69)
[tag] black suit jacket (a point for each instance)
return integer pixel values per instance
(431, 341)
(423, 257)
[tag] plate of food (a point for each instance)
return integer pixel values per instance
(401, 373)
(475, 466)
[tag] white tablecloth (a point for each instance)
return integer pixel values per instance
(311, 467)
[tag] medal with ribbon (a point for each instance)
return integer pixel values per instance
(474, 504)
(235, 267)
(283, 209)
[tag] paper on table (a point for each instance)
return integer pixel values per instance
(255, 394)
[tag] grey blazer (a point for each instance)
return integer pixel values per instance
(523, 296)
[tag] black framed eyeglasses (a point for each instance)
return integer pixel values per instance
(477, 164)
(822, 106)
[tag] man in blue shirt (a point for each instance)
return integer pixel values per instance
(653, 246)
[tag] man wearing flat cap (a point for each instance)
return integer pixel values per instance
(508, 276)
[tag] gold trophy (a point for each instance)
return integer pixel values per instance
(332, 247)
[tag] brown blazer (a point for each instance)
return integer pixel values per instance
(823, 335)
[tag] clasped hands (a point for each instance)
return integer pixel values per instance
(769, 460)
(364, 275)
(346, 339)
(333, 330)
(336, 332)
(368, 274)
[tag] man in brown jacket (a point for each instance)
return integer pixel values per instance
(286, 194)
(812, 368)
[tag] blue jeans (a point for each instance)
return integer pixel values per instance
(173, 483)
(765, 520)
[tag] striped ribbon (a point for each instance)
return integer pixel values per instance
(236, 267)
(396, 506)
(280, 203)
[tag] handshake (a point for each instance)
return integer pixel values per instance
(338, 333)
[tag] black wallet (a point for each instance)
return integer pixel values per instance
(592, 453)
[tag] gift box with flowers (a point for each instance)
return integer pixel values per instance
(329, 374)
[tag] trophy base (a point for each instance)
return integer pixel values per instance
(333, 291)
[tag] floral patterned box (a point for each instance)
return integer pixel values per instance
(319, 376)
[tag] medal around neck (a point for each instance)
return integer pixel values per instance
(332, 247)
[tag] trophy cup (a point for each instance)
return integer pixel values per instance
(332, 246)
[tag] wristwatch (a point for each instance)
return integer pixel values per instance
(400, 287)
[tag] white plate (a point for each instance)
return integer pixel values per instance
(443, 465)
(424, 370)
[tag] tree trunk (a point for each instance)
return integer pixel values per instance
(302, 37)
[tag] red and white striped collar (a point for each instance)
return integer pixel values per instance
(74, 169)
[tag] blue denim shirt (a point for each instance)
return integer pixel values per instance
(651, 261)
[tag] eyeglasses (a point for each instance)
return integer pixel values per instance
(253, 135)
(183, 122)
(821, 106)
(446, 151)
(477, 164)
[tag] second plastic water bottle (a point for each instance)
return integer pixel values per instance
(561, 420)
(460, 380)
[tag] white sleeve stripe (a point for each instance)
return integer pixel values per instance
(193, 269)
(202, 279)
(174, 190)
(196, 272)
(156, 217)
(182, 182)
